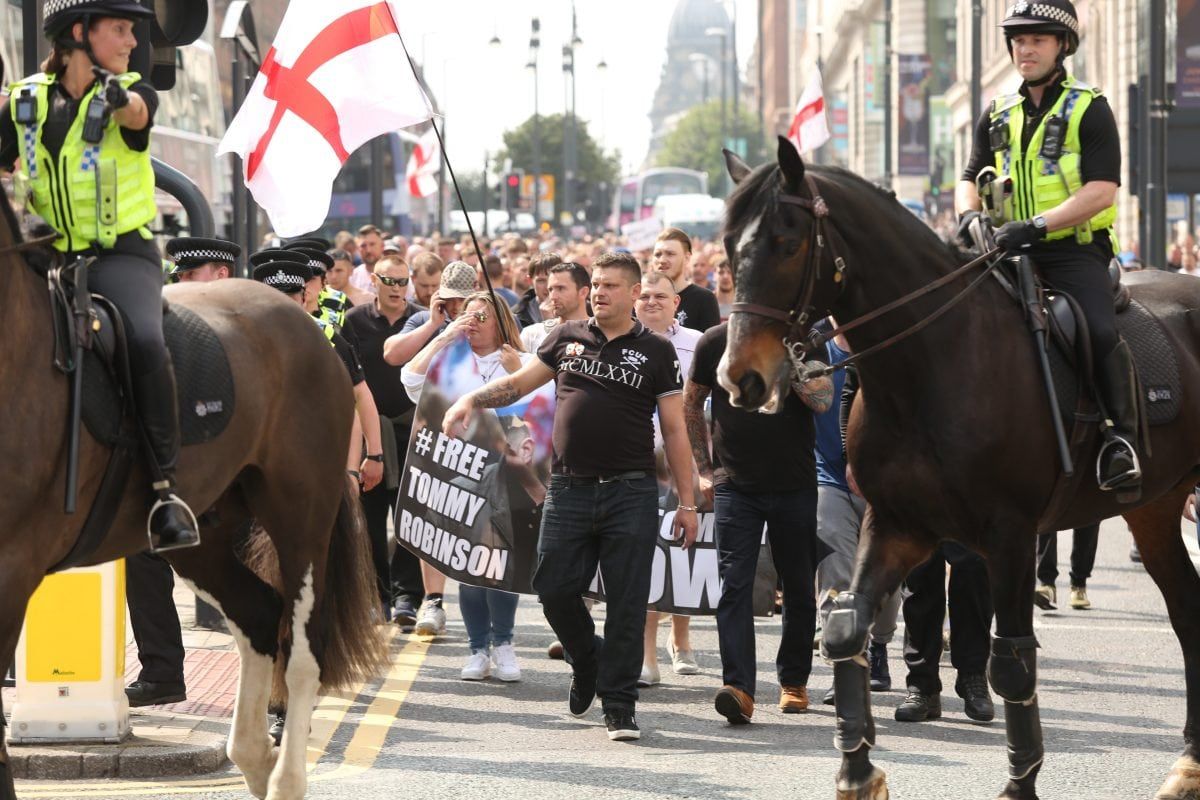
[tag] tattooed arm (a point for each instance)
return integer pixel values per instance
(816, 393)
(694, 395)
(497, 394)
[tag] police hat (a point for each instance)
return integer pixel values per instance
(311, 242)
(190, 252)
(286, 276)
(277, 254)
(320, 261)
(58, 15)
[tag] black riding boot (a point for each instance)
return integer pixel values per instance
(1118, 467)
(172, 524)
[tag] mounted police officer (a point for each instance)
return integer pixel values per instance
(1057, 141)
(79, 133)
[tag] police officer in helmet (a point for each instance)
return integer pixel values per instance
(1057, 141)
(79, 135)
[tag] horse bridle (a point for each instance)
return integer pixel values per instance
(801, 309)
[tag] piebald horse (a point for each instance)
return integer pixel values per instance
(308, 608)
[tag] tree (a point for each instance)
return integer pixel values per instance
(695, 143)
(595, 167)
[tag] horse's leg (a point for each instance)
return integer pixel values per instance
(1012, 668)
(884, 559)
(1156, 528)
(303, 676)
(16, 587)
(252, 610)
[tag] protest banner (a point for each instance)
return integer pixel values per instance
(471, 506)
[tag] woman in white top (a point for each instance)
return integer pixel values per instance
(488, 614)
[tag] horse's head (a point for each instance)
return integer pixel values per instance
(772, 225)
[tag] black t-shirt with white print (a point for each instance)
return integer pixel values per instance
(607, 392)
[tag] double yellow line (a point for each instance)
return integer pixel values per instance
(363, 749)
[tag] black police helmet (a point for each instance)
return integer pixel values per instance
(59, 15)
(1044, 16)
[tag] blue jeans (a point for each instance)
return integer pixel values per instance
(791, 520)
(489, 615)
(613, 525)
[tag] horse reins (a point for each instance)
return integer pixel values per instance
(21, 247)
(801, 309)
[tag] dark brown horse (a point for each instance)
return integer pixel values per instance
(280, 461)
(952, 437)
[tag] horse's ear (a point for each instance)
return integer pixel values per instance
(790, 163)
(738, 169)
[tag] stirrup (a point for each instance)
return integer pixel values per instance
(1132, 475)
(169, 498)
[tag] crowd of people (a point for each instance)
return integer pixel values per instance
(390, 305)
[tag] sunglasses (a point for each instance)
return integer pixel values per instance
(386, 281)
(480, 316)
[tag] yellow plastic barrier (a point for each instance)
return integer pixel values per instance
(70, 663)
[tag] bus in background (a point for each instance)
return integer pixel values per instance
(636, 195)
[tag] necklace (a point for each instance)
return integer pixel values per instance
(487, 376)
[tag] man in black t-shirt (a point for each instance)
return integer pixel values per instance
(602, 503)
(698, 308)
(762, 472)
(367, 327)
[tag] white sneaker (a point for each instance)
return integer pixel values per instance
(650, 676)
(504, 659)
(431, 620)
(478, 666)
(683, 662)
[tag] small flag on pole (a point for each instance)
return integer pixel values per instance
(810, 129)
(424, 164)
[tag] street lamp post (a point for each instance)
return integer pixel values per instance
(535, 43)
(702, 60)
(571, 130)
(721, 32)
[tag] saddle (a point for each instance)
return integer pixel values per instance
(90, 347)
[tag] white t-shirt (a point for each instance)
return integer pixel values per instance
(685, 340)
(487, 369)
(533, 335)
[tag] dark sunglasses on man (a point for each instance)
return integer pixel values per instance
(386, 281)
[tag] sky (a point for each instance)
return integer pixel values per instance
(486, 90)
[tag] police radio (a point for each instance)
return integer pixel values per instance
(1052, 138)
(96, 119)
(26, 107)
(998, 135)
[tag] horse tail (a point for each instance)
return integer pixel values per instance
(349, 610)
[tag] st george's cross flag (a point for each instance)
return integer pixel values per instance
(809, 128)
(336, 77)
(424, 164)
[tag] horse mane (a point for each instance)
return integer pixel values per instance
(753, 196)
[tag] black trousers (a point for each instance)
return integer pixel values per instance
(1083, 555)
(131, 277)
(402, 576)
(925, 608)
(149, 583)
(612, 525)
(1082, 272)
(791, 520)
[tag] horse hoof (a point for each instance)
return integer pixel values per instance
(1183, 782)
(875, 788)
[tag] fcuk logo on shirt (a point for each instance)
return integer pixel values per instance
(632, 358)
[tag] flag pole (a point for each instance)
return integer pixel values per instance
(487, 279)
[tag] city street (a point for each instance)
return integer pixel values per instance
(1112, 709)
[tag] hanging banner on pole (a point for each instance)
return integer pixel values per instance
(914, 115)
(1187, 54)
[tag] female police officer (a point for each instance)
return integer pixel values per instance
(1058, 143)
(79, 133)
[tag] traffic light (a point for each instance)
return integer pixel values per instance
(512, 190)
(176, 23)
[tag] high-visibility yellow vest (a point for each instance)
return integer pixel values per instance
(1040, 184)
(90, 193)
(332, 306)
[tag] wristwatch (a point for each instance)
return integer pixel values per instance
(377, 457)
(1039, 224)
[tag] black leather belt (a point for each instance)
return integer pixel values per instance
(585, 480)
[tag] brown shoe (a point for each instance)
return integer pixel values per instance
(734, 705)
(793, 699)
